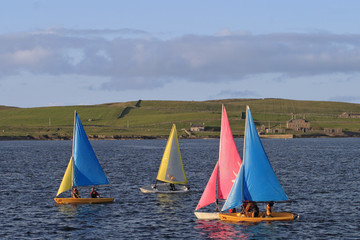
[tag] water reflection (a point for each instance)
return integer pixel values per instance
(69, 210)
(170, 202)
(218, 230)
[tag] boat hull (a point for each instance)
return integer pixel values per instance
(207, 215)
(83, 200)
(164, 188)
(276, 216)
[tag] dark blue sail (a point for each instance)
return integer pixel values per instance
(87, 169)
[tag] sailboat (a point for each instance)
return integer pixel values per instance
(224, 173)
(255, 182)
(83, 169)
(171, 172)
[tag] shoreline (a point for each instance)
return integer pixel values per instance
(117, 137)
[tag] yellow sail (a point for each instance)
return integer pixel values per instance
(66, 182)
(171, 168)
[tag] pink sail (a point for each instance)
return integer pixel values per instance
(229, 159)
(209, 194)
(226, 168)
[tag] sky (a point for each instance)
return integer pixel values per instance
(85, 52)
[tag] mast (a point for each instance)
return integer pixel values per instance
(243, 163)
(246, 116)
(217, 174)
(72, 153)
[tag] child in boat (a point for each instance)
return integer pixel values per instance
(75, 193)
(94, 193)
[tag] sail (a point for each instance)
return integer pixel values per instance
(226, 168)
(260, 181)
(171, 168)
(87, 169)
(236, 195)
(257, 180)
(209, 194)
(66, 181)
(229, 158)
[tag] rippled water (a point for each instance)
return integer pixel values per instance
(321, 175)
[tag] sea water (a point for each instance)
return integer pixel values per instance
(321, 176)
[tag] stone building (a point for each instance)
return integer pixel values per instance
(197, 127)
(333, 131)
(349, 115)
(275, 130)
(302, 125)
(263, 129)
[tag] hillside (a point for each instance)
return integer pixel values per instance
(153, 119)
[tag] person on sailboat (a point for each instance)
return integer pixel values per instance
(250, 209)
(243, 206)
(172, 178)
(269, 209)
(75, 193)
(94, 193)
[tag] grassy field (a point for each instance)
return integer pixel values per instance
(154, 118)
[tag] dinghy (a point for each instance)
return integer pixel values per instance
(224, 173)
(256, 181)
(171, 172)
(83, 170)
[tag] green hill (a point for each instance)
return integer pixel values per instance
(148, 119)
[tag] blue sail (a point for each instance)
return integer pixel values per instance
(236, 195)
(256, 180)
(87, 169)
(260, 181)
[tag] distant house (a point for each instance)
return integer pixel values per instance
(302, 125)
(263, 130)
(197, 127)
(333, 131)
(349, 115)
(275, 130)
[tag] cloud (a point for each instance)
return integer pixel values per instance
(134, 59)
(28, 57)
(101, 33)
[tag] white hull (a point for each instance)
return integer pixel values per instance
(207, 215)
(164, 188)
